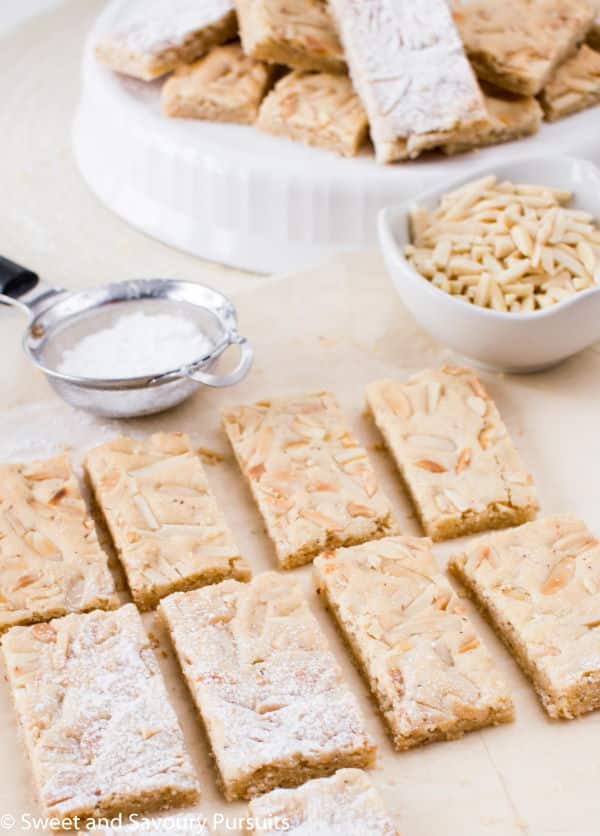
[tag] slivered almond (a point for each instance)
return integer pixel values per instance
(316, 487)
(561, 574)
(454, 370)
(477, 404)
(456, 499)
(431, 466)
(431, 442)
(478, 388)
(369, 484)
(397, 401)
(464, 460)
(482, 554)
(469, 644)
(434, 393)
(442, 601)
(320, 519)
(356, 510)
(256, 472)
(592, 624)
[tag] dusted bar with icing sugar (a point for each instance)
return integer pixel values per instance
(425, 665)
(346, 804)
(153, 37)
(169, 532)
(311, 479)
(97, 723)
(408, 66)
(268, 689)
(453, 451)
(50, 560)
(539, 584)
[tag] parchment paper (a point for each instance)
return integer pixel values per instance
(339, 328)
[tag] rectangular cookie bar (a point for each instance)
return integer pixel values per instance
(408, 66)
(509, 117)
(169, 532)
(318, 109)
(223, 86)
(50, 560)
(346, 804)
(539, 584)
(153, 36)
(100, 732)
(574, 86)
(517, 44)
(268, 689)
(453, 451)
(296, 33)
(425, 665)
(312, 481)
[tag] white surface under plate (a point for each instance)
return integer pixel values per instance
(231, 194)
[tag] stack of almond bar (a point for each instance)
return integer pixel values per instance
(415, 74)
(284, 728)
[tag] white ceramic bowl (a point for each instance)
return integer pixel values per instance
(510, 342)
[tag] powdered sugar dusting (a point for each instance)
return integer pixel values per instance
(95, 713)
(148, 26)
(269, 690)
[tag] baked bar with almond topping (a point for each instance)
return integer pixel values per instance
(223, 86)
(346, 804)
(574, 86)
(430, 674)
(317, 109)
(311, 479)
(453, 451)
(168, 530)
(296, 33)
(518, 44)
(409, 68)
(509, 117)
(97, 723)
(153, 37)
(539, 584)
(51, 562)
(268, 689)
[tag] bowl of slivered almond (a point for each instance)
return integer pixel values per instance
(503, 266)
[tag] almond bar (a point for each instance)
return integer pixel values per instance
(169, 532)
(224, 86)
(100, 732)
(518, 44)
(317, 109)
(539, 585)
(509, 117)
(426, 666)
(574, 86)
(312, 481)
(51, 562)
(154, 37)
(408, 66)
(297, 33)
(346, 804)
(268, 689)
(453, 451)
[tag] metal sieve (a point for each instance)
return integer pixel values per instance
(58, 319)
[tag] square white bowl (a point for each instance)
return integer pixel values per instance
(509, 342)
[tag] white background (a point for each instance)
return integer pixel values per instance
(13, 12)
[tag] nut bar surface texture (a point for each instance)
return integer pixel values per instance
(153, 36)
(268, 689)
(346, 804)
(539, 584)
(297, 33)
(509, 117)
(97, 723)
(574, 86)
(517, 44)
(408, 66)
(223, 86)
(50, 560)
(318, 109)
(453, 451)
(312, 481)
(425, 665)
(165, 523)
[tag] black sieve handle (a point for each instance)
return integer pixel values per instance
(16, 281)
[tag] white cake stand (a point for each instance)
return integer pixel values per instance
(231, 194)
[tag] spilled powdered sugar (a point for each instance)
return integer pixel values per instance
(151, 25)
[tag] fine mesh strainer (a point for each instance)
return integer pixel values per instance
(58, 320)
